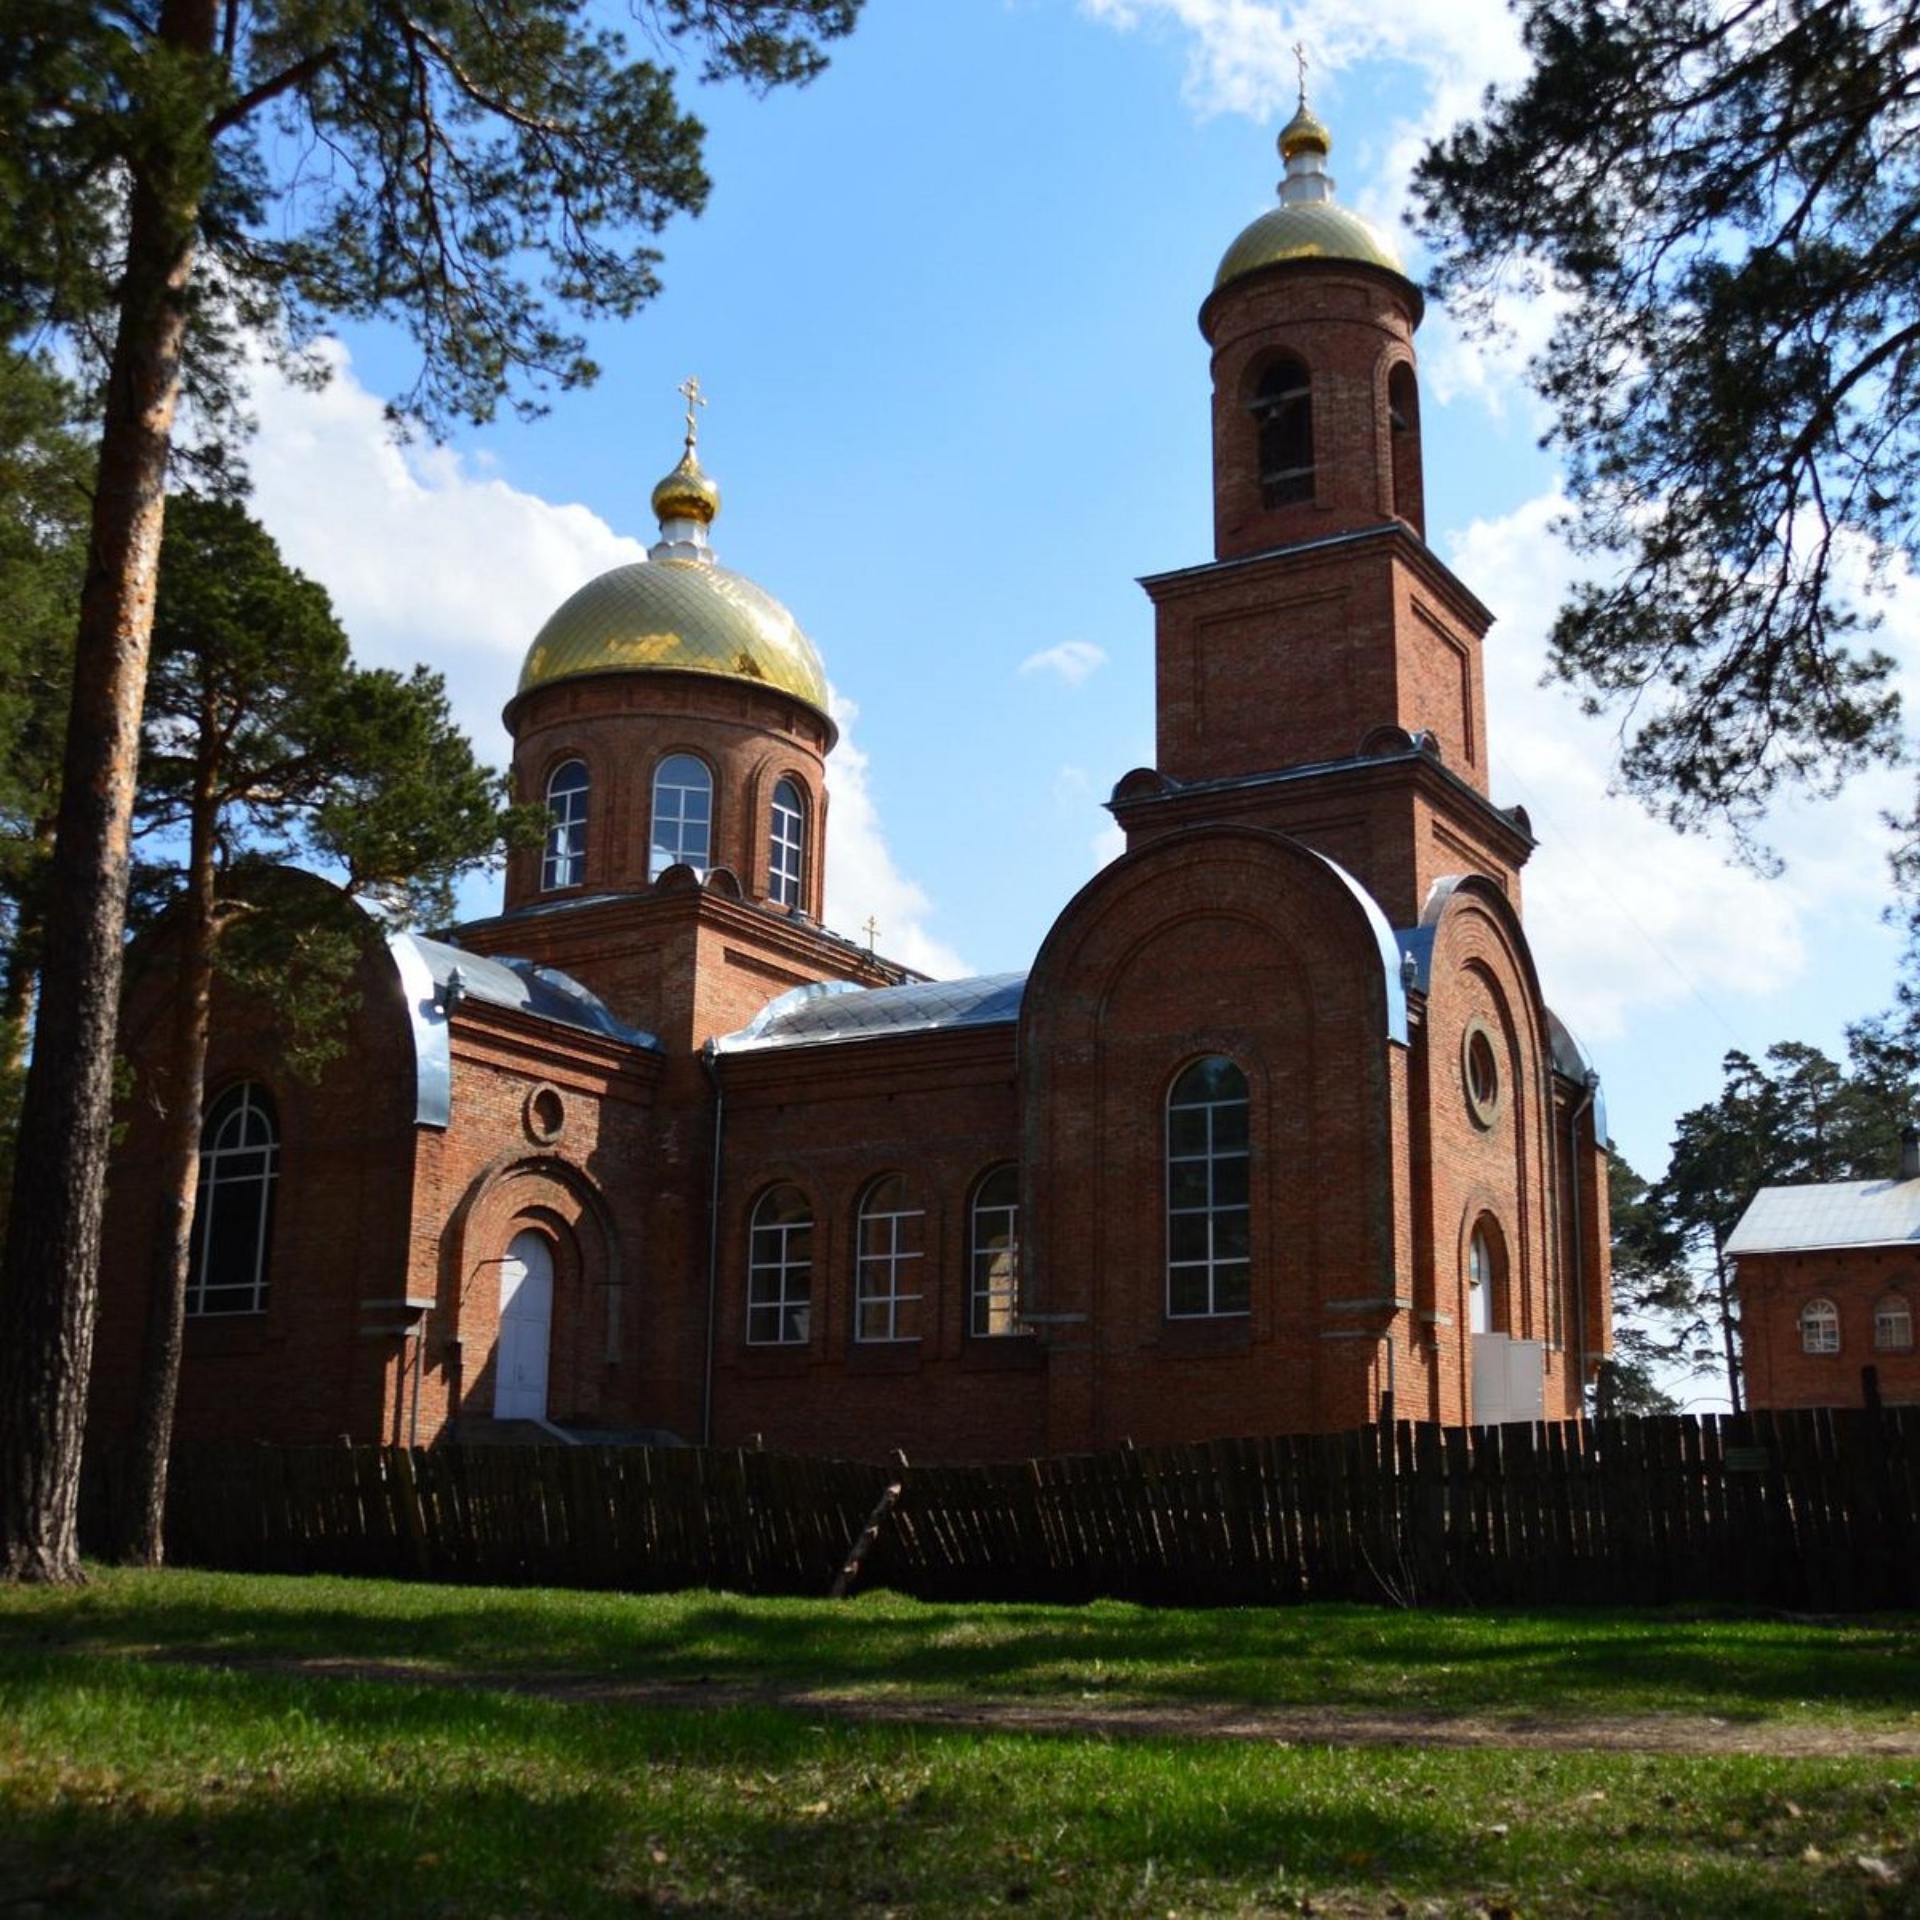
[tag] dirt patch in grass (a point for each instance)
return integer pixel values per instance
(1097, 1717)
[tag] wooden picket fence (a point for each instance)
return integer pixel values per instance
(1815, 1512)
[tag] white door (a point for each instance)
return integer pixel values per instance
(526, 1316)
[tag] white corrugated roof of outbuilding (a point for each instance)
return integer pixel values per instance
(1839, 1213)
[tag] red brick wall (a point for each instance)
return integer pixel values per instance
(1774, 1287)
(941, 1109)
(1235, 943)
(623, 725)
(1351, 326)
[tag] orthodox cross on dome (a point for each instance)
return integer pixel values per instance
(872, 930)
(689, 390)
(1300, 59)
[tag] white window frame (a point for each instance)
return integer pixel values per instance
(993, 1297)
(787, 844)
(1204, 1227)
(563, 862)
(886, 1263)
(1893, 1324)
(682, 835)
(1820, 1327)
(780, 1270)
(239, 1148)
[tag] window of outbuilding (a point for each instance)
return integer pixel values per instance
(233, 1205)
(565, 861)
(1209, 1189)
(1283, 408)
(682, 815)
(994, 1304)
(786, 865)
(886, 1294)
(780, 1270)
(1893, 1324)
(1820, 1327)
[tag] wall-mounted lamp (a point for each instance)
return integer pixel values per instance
(452, 992)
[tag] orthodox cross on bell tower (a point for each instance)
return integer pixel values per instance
(689, 390)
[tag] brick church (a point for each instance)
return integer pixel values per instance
(1276, 1132)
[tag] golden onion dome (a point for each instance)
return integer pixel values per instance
(687, 493)
(677, 616)
(1308, 224)
(679, 610)
(1305, 129)
(1317, 230)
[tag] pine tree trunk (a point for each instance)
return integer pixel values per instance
(140, 1527)
(49, 1281)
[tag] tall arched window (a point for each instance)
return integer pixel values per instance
(780, 1270)
(1484, 1311)
(1403, 419)
(786, 865)
(682, 815)
(1209, 1190)
(233, 1206)
(565, 861)
(1819, 1327)
(1283, 407)
(994, 1293)
(886, 1291)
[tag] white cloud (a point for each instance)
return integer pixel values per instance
(426, 557)
(1242, 59)
(430, 559)
(1625, 914)
(1072, 660)
(863, 884)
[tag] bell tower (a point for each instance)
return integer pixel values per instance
(1322, 673)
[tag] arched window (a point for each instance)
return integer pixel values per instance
(565, 862)
(233, 1206)
(1893, 1325)
(786, 863)
(1283, 406)
(886, 1291)
(1483, 1282)
(682, 815)
(1403, 418)
(780, 1270)
(994, 1294)
(1208, 1192)
(1819, 1327)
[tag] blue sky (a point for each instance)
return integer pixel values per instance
(943, 305)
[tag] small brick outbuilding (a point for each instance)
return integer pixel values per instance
(1828, 1276)
(1277, 1129)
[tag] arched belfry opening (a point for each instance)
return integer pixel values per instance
(1282, 409)
(1403, 441)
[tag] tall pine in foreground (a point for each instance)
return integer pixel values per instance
(492, 172)
(265, 745)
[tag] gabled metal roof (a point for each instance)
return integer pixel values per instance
(836, 1011)
(1840, 1213)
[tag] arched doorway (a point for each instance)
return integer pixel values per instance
(526, 1322)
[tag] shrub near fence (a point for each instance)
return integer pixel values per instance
(1807, 1511)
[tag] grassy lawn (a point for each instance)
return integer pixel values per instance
(222, 1779)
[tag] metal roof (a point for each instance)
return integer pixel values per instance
(837, 1010)
(425, 966)
(1841, 1213)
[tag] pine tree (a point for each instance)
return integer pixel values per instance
(264, 745)
(179, 176)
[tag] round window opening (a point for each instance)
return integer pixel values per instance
(545, 1114)
(1481, 1069)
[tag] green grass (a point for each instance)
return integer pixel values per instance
(219, 1780)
